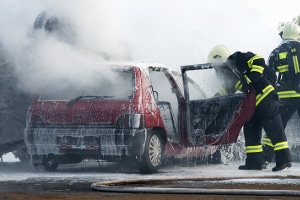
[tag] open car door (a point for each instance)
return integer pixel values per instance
(213, 120)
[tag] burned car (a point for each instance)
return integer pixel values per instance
(144, 113)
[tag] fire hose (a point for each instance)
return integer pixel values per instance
(158, 186)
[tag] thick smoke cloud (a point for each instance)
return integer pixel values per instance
(49, 59)
(170, 32)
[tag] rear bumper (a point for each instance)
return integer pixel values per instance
(87, 142)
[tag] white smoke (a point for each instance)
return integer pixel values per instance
(170, 32)
(44, 61)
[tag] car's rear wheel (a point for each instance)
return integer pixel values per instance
(152, 158)
(50, 164)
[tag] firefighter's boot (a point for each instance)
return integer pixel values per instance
(254, 161)
(283, 160)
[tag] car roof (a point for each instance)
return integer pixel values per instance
(140, 65)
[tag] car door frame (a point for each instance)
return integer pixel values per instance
(244, 112)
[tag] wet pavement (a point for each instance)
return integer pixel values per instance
(110, 181)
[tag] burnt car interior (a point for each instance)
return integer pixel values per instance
(208, 118)
(215, 113)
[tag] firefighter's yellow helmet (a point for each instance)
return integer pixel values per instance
(217, 54)
(291, 31)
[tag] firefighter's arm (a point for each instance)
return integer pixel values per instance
(243, 84)
(257, 66)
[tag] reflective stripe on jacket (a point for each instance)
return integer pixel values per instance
(254, 75)
(265, 92)
(288, 94)
(279, 61)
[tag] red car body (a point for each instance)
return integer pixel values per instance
(154, 119)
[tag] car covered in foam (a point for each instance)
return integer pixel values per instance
(141, 113)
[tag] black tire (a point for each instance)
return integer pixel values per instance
(151, 160)
(50, 164)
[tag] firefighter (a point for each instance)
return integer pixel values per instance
(217, 56)
(282, 60)
(248, 70)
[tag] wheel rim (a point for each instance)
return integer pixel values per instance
(155, 150)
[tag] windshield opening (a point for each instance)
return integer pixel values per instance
(207, 80)
(112, 83)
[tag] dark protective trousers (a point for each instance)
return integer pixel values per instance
(266, 117)
(287, 109)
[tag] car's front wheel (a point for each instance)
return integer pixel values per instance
(152, 158)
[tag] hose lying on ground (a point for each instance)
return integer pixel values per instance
(160, 186)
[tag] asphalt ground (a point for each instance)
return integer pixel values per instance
(91, 182)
